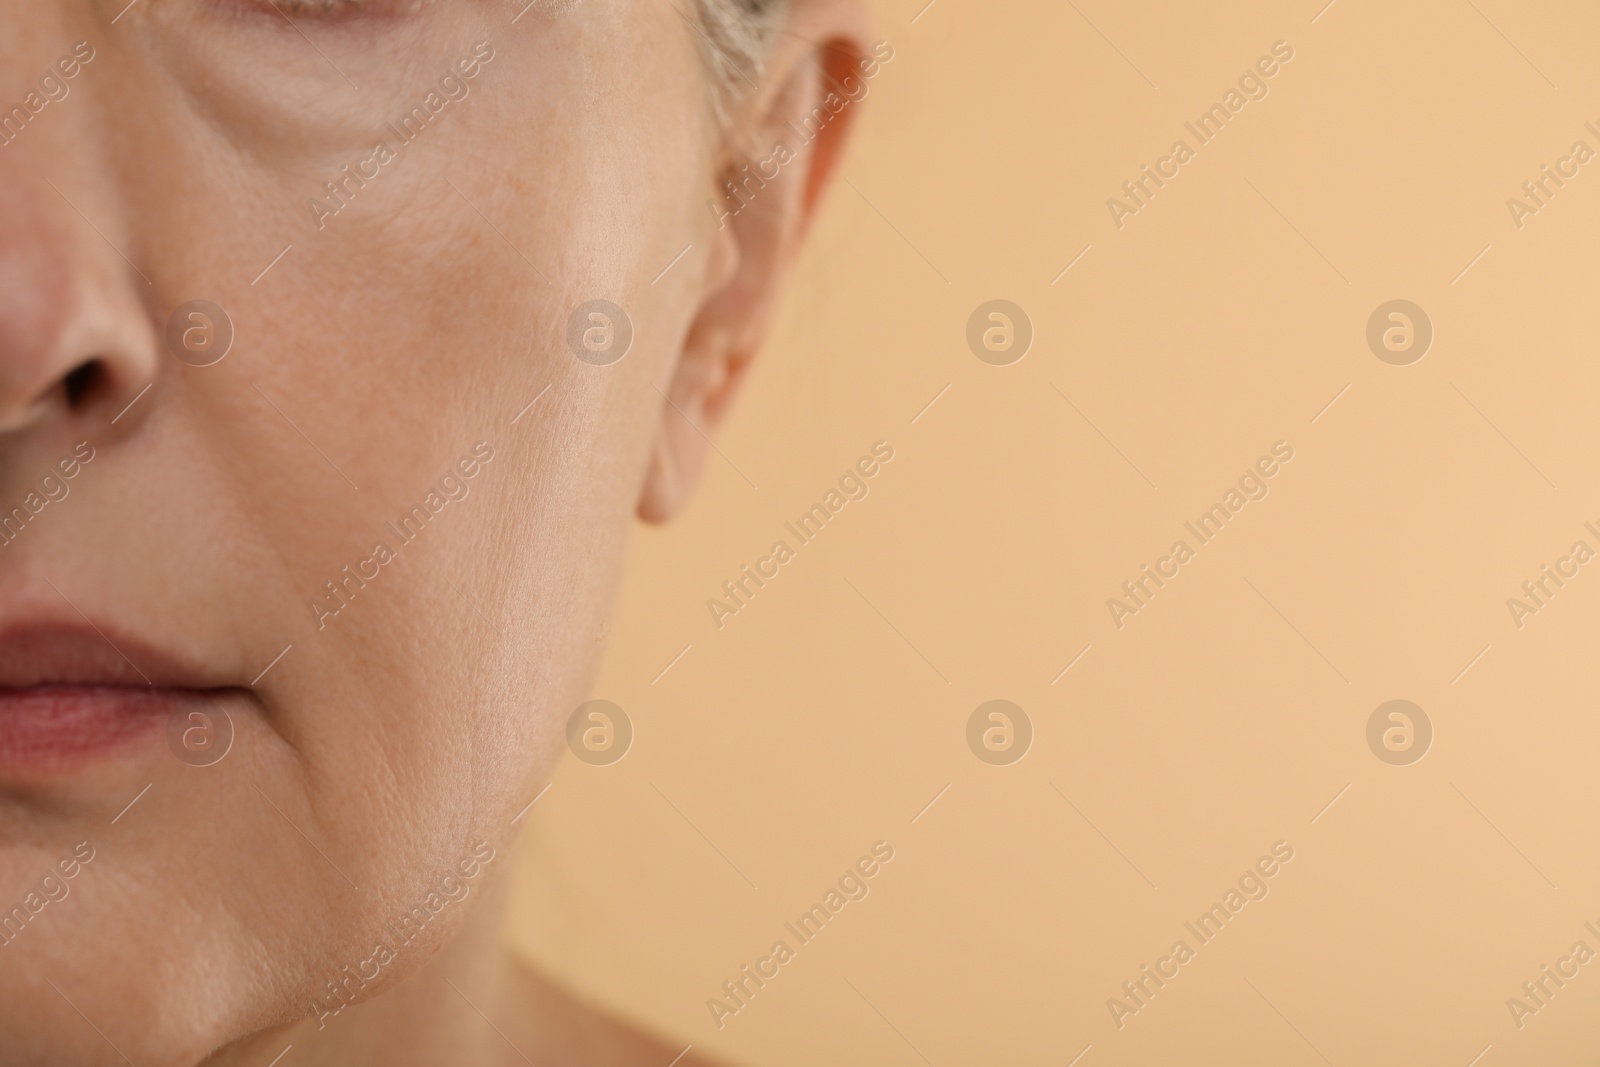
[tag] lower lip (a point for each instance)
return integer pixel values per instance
(51, 729)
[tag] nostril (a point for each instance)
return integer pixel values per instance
(82, 381)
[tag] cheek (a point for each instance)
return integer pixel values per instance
(426, 317)
(408, 704)
(371, 355)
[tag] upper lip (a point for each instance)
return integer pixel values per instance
(80, 653)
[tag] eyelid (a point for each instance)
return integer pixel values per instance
(331, 10)
(317, 7)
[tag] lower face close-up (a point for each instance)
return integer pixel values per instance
(667, 533)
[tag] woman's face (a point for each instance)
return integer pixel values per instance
(379, 537)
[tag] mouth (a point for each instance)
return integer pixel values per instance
(71, 696)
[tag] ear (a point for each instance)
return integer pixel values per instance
(779, 150)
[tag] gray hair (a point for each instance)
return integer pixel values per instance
(737, 33)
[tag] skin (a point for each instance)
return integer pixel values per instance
(411, 727)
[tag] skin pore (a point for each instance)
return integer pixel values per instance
(405, 346)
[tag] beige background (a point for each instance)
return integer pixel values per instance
(1222, 318)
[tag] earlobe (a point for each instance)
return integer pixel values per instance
(775, 165)
(661, 498)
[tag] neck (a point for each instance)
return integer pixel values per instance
(440, 1014)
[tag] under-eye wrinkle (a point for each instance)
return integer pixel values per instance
(328, 10)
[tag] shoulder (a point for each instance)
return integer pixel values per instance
(552, 1027)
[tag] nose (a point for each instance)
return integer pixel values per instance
(76, 342)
